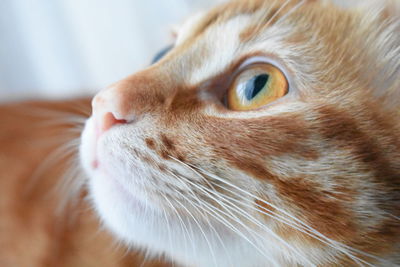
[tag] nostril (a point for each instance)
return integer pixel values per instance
(107, 122)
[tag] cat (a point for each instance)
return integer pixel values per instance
(268, 135)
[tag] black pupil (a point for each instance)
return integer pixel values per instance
(255, 85)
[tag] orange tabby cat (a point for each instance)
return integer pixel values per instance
(269, 135)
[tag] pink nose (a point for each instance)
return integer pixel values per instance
(107, 121)
(107, 110)
(127, 100)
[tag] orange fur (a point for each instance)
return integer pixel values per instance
(34, 231)
(320, 167)
(346, 105)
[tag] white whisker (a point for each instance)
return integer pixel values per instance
(183, 224)
(308, 230)
(216, 214)
(56, 156)
(230, 225)
(223, 201)
(334, 244)
(168, 223)
(290, 12)
(202, 232)
(277, 12)
(199, 201)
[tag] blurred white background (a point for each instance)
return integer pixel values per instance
(66, 48)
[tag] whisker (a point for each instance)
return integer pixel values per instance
(45, 113)
(242, 212)
(277, 13)
(70, 186)
(202, 232)
(168, 224)
(290, 12)
(231, 226)
(211, 210)
(81, 108)
(393, 216)
(182, 223)
(315, 234)
(62, 152)
(208, 221)
(334, 244)
(72, 120)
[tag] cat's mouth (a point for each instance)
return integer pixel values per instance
(88, 147)
(95, 160)
(107, 122)
(94, 164)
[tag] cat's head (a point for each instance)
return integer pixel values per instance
(268, 135)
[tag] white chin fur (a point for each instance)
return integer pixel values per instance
(140, 229)
(123, 209)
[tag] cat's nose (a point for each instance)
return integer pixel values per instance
(107, 111)
(129, 99)
(107, 121)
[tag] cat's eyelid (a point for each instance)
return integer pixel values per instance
(261, 59)
(268, 60)
(255, 59)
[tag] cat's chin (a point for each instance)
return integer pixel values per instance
(127, 218)
(120, 209)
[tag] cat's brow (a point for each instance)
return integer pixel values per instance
(271, 12)
(226, 12)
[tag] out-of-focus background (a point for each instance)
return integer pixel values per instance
(67, 48)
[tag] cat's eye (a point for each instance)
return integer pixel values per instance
(161, 54)
(256, 86)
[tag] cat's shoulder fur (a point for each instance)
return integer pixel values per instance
(36, 228)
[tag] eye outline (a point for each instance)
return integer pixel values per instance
(254, 60)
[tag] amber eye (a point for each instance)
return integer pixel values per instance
(256, 86)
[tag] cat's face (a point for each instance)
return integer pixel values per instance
(268, 135)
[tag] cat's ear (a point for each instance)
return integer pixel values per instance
(173, 35)
(178, 33)
(184, 30)
(200, 11)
